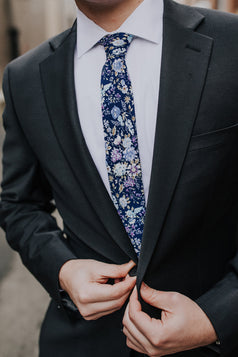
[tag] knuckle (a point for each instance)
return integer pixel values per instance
(155, 341)
(93, 318)
(84, 312)
(124, 289)
(162, 341)
(119, 292)
(131, 315)
(128, 343)
(121, 302)
(87, 318)
(152, 352)
(116, 293)
(118, 305)
(113, 269)
(83, 297)
(174, 296)
(124, 321)
(158, 341)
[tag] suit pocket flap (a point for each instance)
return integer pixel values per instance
(213, 138)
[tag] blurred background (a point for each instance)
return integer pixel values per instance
(23, 25)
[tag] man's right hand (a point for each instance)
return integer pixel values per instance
(86, 283)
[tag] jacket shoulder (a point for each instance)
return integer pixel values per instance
(218, 23)
(31, 59)
(193, 18)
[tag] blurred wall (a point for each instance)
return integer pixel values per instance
(35, 22)
(4, 48)
(223, 5)
(39, 20)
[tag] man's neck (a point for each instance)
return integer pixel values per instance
(109, 16)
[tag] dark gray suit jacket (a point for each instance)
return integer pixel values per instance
(189, 242)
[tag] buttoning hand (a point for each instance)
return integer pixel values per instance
(86, 283)
(183, 325)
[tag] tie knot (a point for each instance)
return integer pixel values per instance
(116, 45)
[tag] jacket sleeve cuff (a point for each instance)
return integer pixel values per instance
(220, 304)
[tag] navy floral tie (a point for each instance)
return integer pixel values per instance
(121, 142)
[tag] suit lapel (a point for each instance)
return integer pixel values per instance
(57, 73)
(185, 59)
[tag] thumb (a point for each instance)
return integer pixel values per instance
(161, 299)
(118, 271)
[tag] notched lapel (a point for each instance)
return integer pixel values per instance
(57, 73)
(185, 60)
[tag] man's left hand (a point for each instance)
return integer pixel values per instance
(183, 325)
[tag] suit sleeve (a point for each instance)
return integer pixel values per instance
(220, 303)
(26, 205)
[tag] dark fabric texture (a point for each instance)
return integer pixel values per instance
(189, 243)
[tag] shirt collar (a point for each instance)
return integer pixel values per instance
(147, 27)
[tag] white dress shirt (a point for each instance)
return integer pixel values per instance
(144, 64)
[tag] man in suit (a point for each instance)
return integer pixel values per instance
(186, 271)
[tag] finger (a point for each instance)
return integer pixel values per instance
(161, 299)
(146, 325)
(134, 347)
(133, 340)
(135, 335)
(99, 315)
(102, 307)
(105, 292)
(116, 271)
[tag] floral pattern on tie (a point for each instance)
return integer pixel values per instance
(121, 142)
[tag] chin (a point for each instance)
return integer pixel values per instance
(99, 2)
